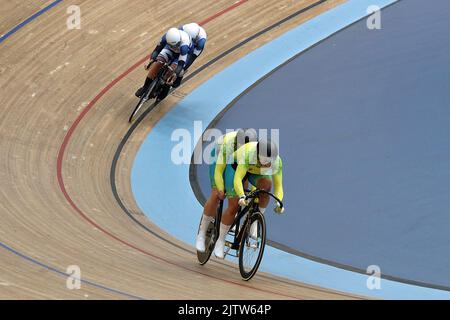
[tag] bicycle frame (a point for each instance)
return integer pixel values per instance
(164, 74)
(250, 208)
(236, 223)
(167, 74)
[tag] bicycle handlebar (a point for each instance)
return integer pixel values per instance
(254, 194)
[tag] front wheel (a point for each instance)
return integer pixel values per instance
(144, 98)
(251, 248)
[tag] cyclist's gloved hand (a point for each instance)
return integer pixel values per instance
(243, 201)
(278, 209)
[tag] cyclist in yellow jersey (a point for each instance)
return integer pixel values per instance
(260, 164)
(222, 153)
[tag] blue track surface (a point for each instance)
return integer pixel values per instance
(365, 131)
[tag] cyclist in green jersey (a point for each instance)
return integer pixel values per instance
(260, 164)
(222, 153)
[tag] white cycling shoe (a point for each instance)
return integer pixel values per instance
(219, 249)
(200, 243)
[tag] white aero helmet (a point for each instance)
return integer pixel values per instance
(267, 151)
(173, 37)
(192, 29)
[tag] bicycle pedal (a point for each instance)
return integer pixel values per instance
(227, 252)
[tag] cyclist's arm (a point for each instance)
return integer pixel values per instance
(278, 183)
(241, 171)
(190, 59)
(184, 50)
(199, 46)
(162, 43)
(221, 164)
(196, 52)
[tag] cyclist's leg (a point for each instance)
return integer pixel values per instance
(164, 92)
(164, 56)
(213, 201)
(177, 82)
(263, 182)
(229, 214)
(209, 210)
(166, 88)
(233, 199)
(227, 220)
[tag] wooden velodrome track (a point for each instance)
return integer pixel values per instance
(62, 120)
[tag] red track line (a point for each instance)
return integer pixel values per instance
(218, 14)
(68, 136)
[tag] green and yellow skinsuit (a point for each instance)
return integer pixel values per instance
(245, 165)
(225, 147)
